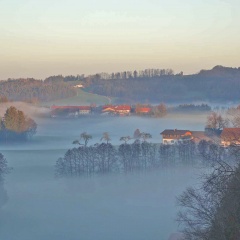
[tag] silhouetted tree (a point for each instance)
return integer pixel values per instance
(4, 169)
(125, 139)
(85, 137)
(106, 137)
(137, 134)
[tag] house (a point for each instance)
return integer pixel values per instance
(173, 136)
(71, 110)
(119, 110)
(84, 110)
(78, 86)
(230, 136)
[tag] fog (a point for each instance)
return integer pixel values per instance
(116, 206)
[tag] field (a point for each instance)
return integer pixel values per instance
(82, 98)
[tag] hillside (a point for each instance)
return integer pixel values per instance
(218, 84)
(82, 98)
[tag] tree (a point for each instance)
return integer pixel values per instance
(85, 137)
(16, 125)
(212, 212)
(125, 139)
(137, 134)
(11, 119)
(145, 136)
(106, 137)
(4, 169)
(216, 121)
(160, 110)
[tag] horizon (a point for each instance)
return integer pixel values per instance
(87, 75)
(41, 39)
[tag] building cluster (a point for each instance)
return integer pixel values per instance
(120, 110)
(226, 137)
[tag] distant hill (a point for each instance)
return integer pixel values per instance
(220, 71)
(30, 90)
(218, 84)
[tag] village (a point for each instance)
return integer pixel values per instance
(224, 137)
(110, 110)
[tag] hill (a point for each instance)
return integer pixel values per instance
(218, 84)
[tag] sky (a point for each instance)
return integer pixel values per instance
(51, 37)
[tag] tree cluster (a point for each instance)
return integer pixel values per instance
(159, 110)
(192, 108)
(15, 125)
(149, 73)
(127, 157)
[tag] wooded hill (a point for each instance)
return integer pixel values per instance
(147, 86)
(217, 84)
(35, 90)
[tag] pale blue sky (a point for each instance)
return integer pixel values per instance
(48, 37)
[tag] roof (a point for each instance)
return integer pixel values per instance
(143, 109)
(71, 107)
(230, 134)
(174, 132)
(201, 135)
(116, 108)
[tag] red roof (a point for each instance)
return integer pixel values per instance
(175, 132)
(71, 107)
(118, 108)
(144, 109)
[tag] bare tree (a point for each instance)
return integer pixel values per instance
(212, 211)
(216, 121)
(105, 137)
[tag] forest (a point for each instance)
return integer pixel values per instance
(217, 84)
(31, 90)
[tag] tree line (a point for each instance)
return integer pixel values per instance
(218, 84)
(140, 155)
(15, 125)
(191, 108)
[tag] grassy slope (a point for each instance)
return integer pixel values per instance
(82, 98)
